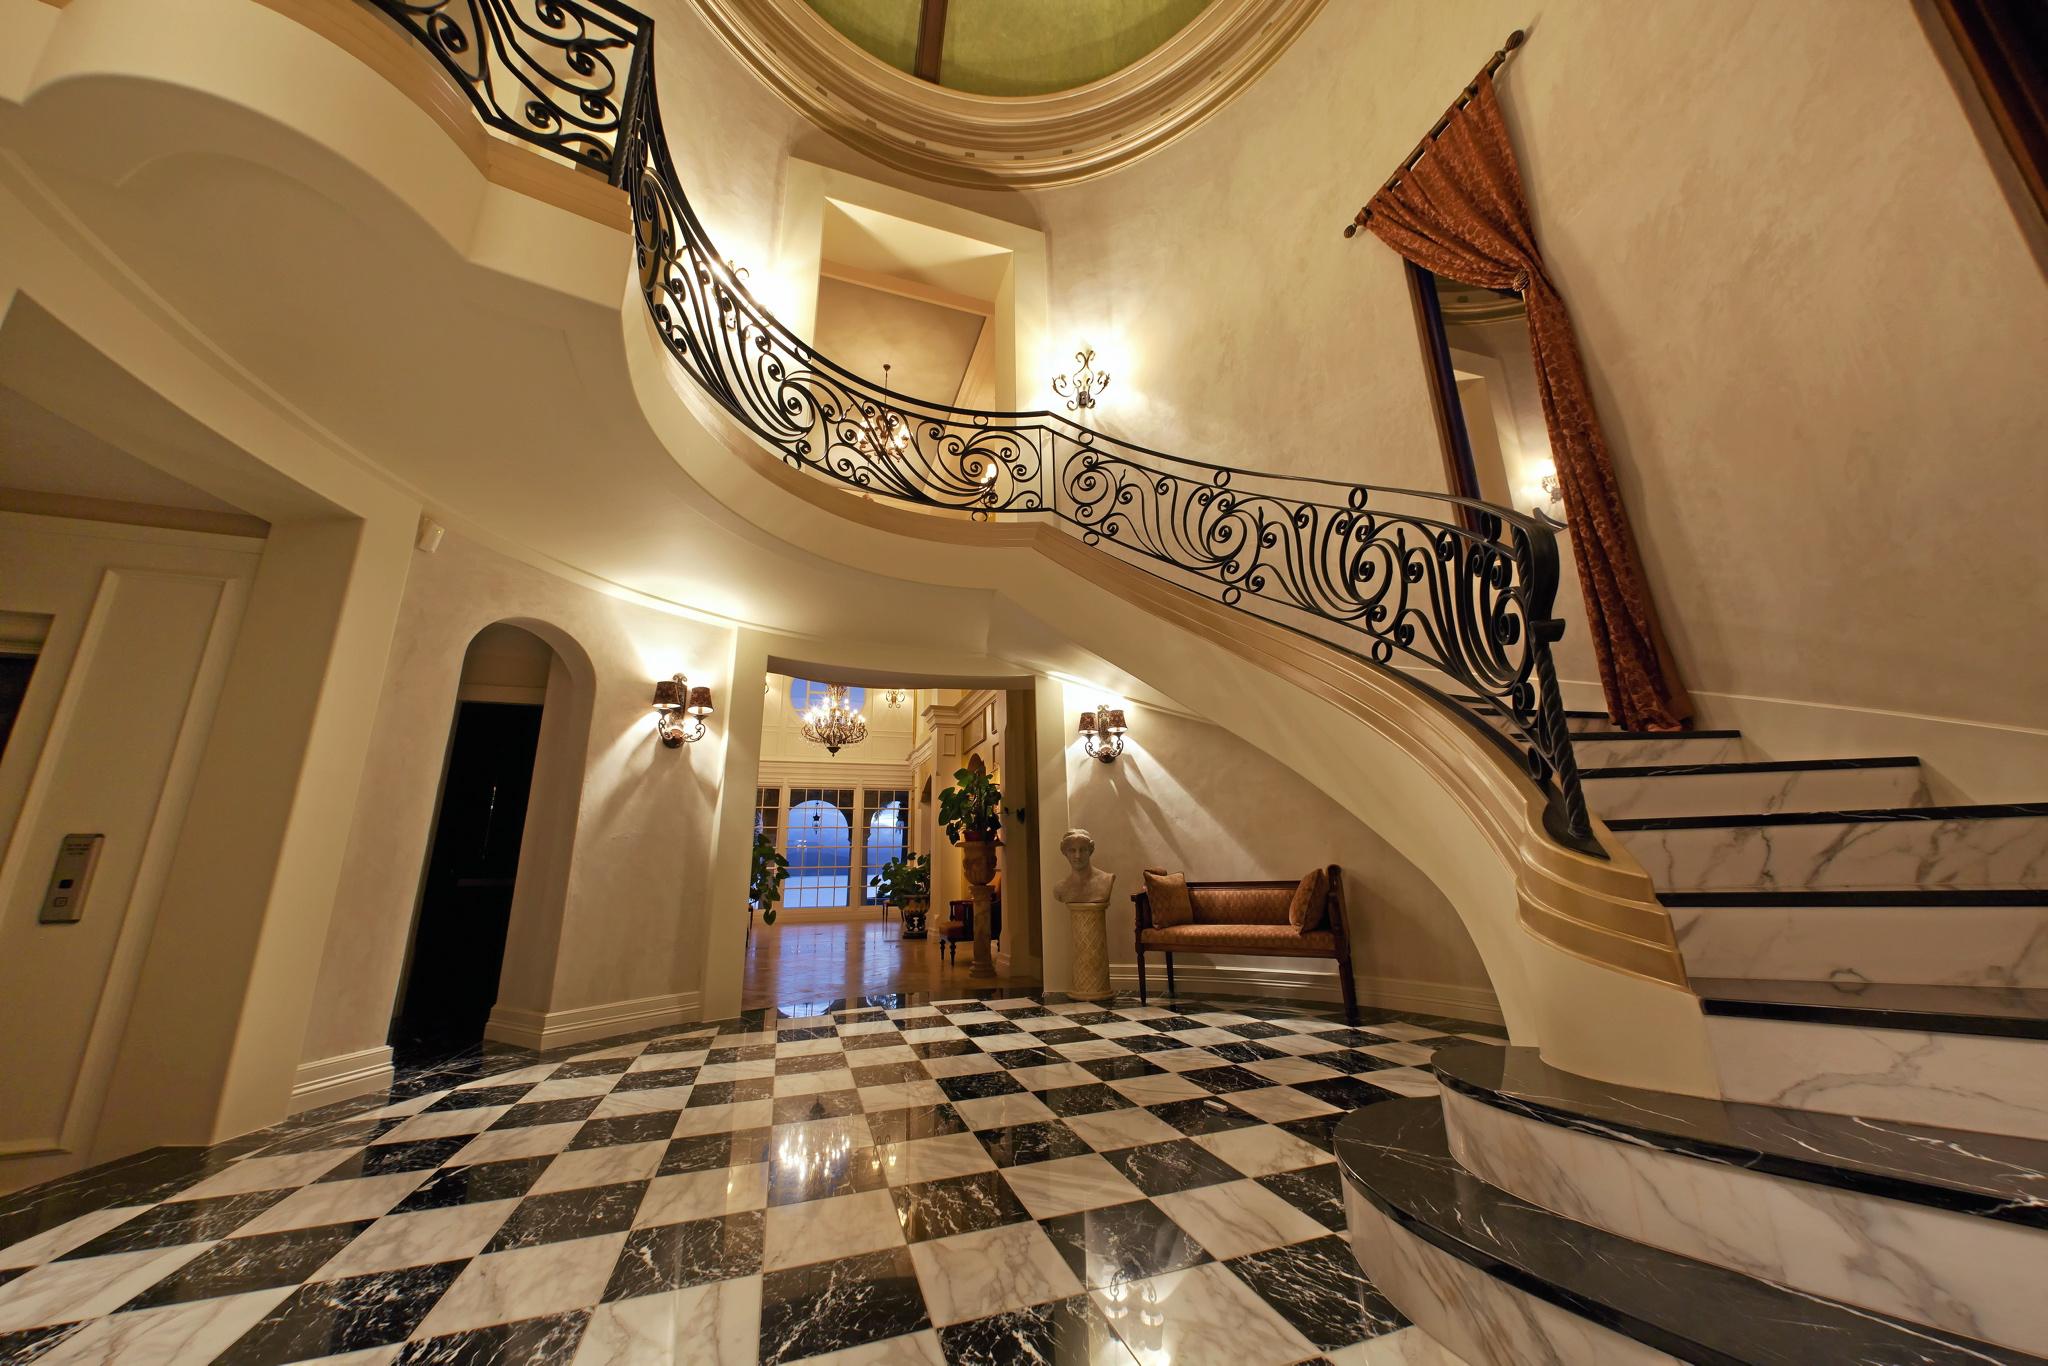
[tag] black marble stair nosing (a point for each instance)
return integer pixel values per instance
(2030, 1021)
(1693, 1310)
(1982, 811)
(1912, 1150)
(1794, 898)
(1656, 735)
(1748, 766)
(1489, 702)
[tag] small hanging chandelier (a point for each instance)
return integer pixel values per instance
(833, 722)
(881, 430)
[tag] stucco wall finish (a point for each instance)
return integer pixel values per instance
(637, 860)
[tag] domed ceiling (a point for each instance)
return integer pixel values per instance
(1009, 47)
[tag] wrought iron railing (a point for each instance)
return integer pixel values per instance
(1453, 595)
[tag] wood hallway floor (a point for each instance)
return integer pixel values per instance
(853, 958)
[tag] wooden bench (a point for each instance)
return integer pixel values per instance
(1251, 918)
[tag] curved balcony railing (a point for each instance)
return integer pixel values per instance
(1453, 595)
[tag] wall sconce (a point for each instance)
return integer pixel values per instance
(674, 699)
(895, 698)
(1081, 388)
(1546, 495)
(1102, 732)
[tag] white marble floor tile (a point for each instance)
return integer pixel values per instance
(934, 1159)
(912, 1349)
(61, 1292)
(1053, 1074)
(444, 1124)
(1407, 1054)
(569, 1088)
(717, 1325)
(1119, 1029)
(813, 1083)
(703, 1195)
(973, 1275)
(755, 1070)
(820, 1230)
(1086, 1050)
(1277, 1103)
(961, 1065)
(1302, 1045)
(1184, 1059)
(53, 1243)
(1067, 1184)
(1291, 1070)
(1233, 1218)
(1204, 1316)
(1263, 1150)
(1402, 1347)
(794, 1048)
(999, 1112)
(336, 1202)
(648, 1102)
(1109, 1129)
(272, 1173)
(1157, 1089)
(935, 1034)
(421, 1238)
(1404, 1081)
(725, 1119)
(526, 1283)
(578, 1168)
(1205, 1038)
(536, 1074)
(525, 1140)
(174, 1335)
(900, 1095)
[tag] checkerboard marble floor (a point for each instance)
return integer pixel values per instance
(1015, 1180)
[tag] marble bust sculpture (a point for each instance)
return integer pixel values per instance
(1086, 890)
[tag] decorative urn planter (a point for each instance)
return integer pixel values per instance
(978, 865)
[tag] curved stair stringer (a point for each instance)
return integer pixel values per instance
(1579, 951)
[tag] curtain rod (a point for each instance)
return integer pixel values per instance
(1514, 41)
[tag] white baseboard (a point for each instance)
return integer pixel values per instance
(552, 1029)
(1309, 984)
(345, 1076)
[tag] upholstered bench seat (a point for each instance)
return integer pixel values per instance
(1251, 918)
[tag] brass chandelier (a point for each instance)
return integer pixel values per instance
(833, 722)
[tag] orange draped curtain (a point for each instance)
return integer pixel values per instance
(1460, 213)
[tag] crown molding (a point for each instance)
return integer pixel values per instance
(960, 138)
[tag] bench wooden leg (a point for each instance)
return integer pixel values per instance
(1170, 993)
(1141, 976)
(1350, 990)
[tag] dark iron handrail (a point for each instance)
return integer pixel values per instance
(1461, 588)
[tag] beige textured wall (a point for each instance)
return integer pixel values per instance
(631, 918)
(1191, 796)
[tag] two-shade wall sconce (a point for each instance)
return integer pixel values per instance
(1102, 732)
(679, 711)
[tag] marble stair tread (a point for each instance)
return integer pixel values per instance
(1930, 815)
(1631, 791)
(1615, 748)
(1995, 1176)
(1996, 1011)
(1956, 936)
(1395, 1155)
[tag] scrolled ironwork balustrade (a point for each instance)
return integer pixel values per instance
(1453, 595)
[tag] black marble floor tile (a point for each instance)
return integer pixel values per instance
(25, 1345)
(833, 1306)
(710, 1152)
(1119, 1069)
(1211, 1116)
(1354, 1038)
(1095, 1017)
(811, 1031)
(1070, 1332)
(811, 1062)
(346, 1134)
(547, 1112)
(958, 1204)
(1151, 1043)
(857, 1044)
(1014, 1058)
(476, 1098)
(475, 1184)
(673, 1256)
(261, 1262)
(1346, 1093)
(976, 1085)
(1318, 1287)
(1350, 1060)
(822, 1105)
(348, 1315)
(593, 1067)
(1172, 1024)
(1163, 1168)
(945, 1048)
(653, 1127)
(1318, 1129)
(991, 1027)
(657, 1080)
(923, 1121)
(1224, 1080)
(1083, 1100)
(386, 1158)
(1068, 1034)
(888, 1073)
(815, 1177)
(753, 1052)
(1257, 1029)
(1120, 1243)
(558, 1216)
(1316, 1191)
(1022, 1144)
(529, 1342)
(185, 1221)
(1245, 1052)
(730, 1092)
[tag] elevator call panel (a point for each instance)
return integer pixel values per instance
(64, 903)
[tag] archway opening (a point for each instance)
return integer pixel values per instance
(457, 952)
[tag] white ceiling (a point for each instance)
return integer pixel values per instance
(43, 453)
(871, 240)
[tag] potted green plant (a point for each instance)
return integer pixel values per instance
(972, 812)
(764, 883)
(906, 884)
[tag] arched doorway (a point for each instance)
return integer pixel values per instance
(459, 929)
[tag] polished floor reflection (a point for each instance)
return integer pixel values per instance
(1010, 1180)
(858, 956)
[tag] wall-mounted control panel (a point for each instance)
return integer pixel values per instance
(71, 879)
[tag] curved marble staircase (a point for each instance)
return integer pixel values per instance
(1873, 1186)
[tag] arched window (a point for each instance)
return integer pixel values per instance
(888, 825)
(804, 691)
(820, 847)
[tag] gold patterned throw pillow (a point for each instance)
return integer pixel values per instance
(1168, 895)
(1311, 901)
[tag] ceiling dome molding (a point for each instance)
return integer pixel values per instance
(1020, 140)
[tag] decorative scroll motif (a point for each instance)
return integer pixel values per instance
(553, 72)
(1453, 594)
